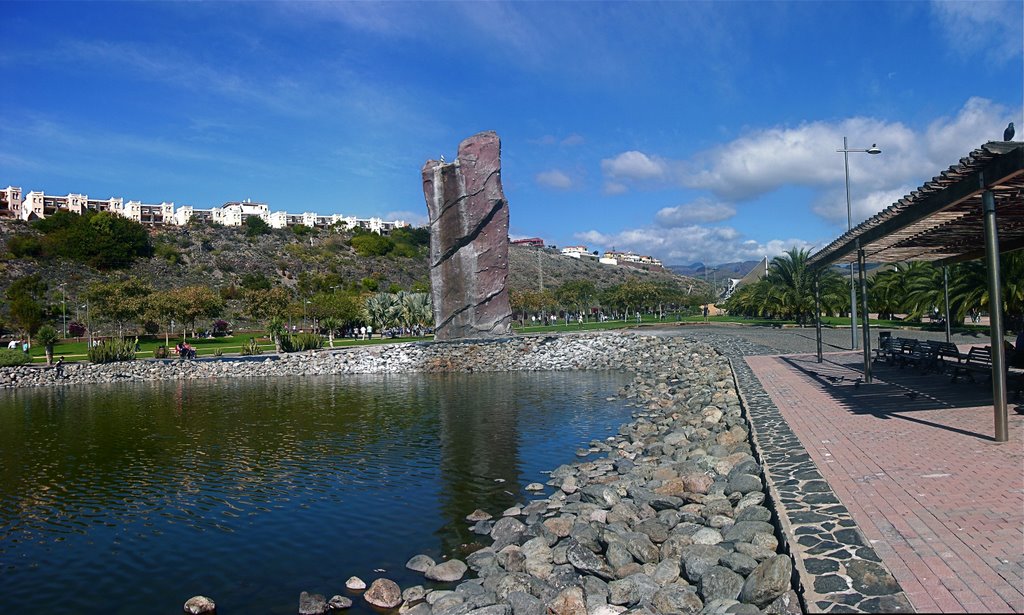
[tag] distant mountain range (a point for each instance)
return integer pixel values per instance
(737, 269)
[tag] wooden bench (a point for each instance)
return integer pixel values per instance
(979, 360)
(910, 352)
(943, 354)
(884, 352)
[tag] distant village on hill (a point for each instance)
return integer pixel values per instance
(37, 205)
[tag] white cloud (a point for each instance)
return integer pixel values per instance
(615, 188)
(633, 165)
(701, 210)
(554, 179)
(573, 139)
(805, 156)
(991, 29)
(688, 244)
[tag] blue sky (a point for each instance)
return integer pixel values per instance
(691, 131)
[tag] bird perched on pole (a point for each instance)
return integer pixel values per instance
(1008, 133)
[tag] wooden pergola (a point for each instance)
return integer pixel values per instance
(973, 210)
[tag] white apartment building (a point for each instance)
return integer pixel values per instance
(632, 258)
(37, 204)
(10, 202)
(577, 252)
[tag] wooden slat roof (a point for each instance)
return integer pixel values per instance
(942, 220)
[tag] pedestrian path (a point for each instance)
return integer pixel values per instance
(912, 461)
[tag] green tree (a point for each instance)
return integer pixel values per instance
(197, 302)
(161, 307)
(27, 314)
(47, 336)
(372, 244)
(268, 303)
(119, 300)
(256, 226)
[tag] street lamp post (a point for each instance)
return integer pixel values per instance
(849, 227)
(88, 323)
(304, 304)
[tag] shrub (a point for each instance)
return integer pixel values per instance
(168, 252)
(24, 245)
(110, 351)
(255, 226)
(372, 244)
(76, 329)
(160, 352)
(11, 358)
(305, 341)
(220, 327)
(252, 348)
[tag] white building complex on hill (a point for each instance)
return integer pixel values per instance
(37, 205)
(611, 257)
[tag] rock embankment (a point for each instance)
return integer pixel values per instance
(670, 517)
(567, 352)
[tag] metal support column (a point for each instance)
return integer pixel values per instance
(817, 316)
(945, 294)
(995, 314)
(864, 314)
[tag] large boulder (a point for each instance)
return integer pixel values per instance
(468, 241)
(384, 593)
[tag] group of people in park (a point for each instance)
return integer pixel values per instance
(15, 343)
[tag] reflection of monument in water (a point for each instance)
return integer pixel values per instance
(477, 448)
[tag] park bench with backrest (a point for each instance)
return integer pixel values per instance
(943, 354)
(979, 360)
(911, 352)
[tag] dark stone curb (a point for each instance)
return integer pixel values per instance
(837, 571)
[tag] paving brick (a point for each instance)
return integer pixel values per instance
(941, 503)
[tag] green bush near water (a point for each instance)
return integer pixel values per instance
(11, 358)
(110, 351)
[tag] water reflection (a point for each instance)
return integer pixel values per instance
(252, 491)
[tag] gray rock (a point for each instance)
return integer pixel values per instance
(419, 609)
(675, 599)
(739, 563)
(384, 593)
(569, 601)
(420, 563)
(641, 547)
(586, 561)
(338, 603)
(707, 536)
(602, 495)
(743, 531)
(768, 581)
(754, 513)
(494, 609)
(719, 583)
(618, 555)
(200, 605)
(479, 559)
(666, 572)
(312, 604)
(355, 584)
(698, 559)
(523, 603)
(506, 531)
(478, 515)
(447, 572)
(871, 579)
(414, 594)
(718, 607)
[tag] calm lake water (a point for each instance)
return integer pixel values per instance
(132, 498)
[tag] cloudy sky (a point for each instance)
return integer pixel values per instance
(692, 131)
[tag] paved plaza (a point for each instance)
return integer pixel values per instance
(911, 459)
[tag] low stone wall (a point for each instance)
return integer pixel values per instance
(670, 518)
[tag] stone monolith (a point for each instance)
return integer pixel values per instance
(468, 241)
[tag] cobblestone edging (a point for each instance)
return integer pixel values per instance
(837, 571)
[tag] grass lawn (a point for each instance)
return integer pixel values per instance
(232, 345)
(205, 347)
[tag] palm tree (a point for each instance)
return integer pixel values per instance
(381, 310)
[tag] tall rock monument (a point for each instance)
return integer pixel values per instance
(468, 241)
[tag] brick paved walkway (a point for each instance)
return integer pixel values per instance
(913, 459)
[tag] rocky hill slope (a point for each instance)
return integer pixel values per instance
(220, 256)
